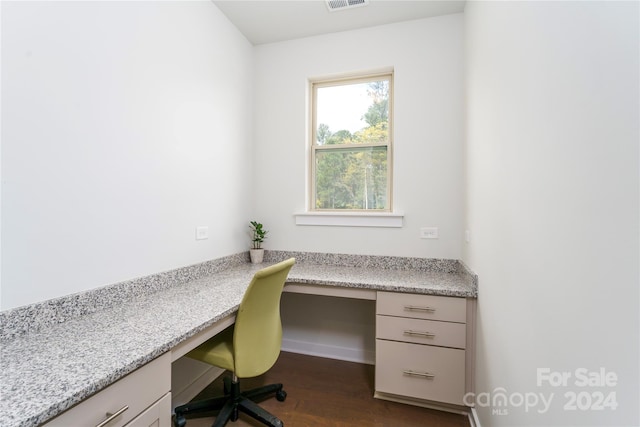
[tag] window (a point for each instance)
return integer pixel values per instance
(351, 144)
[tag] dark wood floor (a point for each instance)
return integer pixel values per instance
(325, 392)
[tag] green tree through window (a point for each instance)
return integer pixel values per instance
(352, 145)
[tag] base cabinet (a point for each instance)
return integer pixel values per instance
(158, 415)
(140, 397)
(420, 371)
(421, 348)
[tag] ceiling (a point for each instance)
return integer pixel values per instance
(268, 21)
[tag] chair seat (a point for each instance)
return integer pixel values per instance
(218, 351)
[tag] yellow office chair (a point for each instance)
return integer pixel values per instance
(248, 349)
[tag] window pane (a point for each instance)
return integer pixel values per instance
(351, 178)
(353, 114)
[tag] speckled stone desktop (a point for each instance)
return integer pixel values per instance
(57, 353)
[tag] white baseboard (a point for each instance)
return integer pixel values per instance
(358, 355)
(196, 386)
(474, 421)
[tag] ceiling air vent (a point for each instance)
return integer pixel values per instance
(334, 5)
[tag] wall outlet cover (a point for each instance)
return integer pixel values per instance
(202, 232)
(429, 233)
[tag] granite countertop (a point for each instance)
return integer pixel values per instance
(51, 365)
(413, 281)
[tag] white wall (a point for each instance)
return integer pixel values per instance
(124, 126)
(552, 178)
(427, 58)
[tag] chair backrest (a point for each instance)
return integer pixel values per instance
(257, 335)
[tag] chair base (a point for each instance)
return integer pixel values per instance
(232, 402)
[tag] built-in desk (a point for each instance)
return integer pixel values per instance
(47, 368)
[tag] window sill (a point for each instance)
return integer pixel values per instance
(350, 219)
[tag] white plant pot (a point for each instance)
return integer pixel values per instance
(256, 255)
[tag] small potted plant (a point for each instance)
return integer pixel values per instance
(259, 234)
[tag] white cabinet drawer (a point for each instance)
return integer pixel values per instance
(158, 415)
(420, 371)
(451, 309)
(420, 331)
(135, 392)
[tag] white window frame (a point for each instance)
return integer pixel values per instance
(349, 217)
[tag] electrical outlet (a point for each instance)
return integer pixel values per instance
(202, 232)
(429, 233)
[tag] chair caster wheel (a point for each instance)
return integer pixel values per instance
(179, 421)
(281, 395)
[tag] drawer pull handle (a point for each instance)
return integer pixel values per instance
(111, 417)
(418, 308)
(425, 375)
(419, 333)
